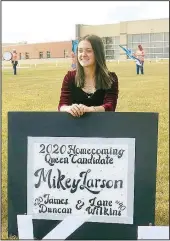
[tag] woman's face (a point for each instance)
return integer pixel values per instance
(86, 56)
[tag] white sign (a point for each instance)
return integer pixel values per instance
(153, 232)
(25, 227)
(92, 177)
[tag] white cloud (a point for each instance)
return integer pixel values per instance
(55, 21)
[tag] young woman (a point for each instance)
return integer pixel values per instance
(91, 87)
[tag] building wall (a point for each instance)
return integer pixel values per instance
(100, 30)
(148, 26)
(56, 50)
(152, 34)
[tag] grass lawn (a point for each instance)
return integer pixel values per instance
(38, 89)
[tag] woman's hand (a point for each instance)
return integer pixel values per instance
(87, 108)
(76, 110)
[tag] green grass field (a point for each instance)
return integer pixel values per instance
(38, 89)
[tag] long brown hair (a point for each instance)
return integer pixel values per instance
(140, 47)
(102, 76)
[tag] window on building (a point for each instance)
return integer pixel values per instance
(152, 55)
(48, 54)
(27, 55)
(116, 54)
(40, 55)
(66, 53)
(145, 45)
(135, 45)
(116, 40)
(129, 38)
(156, 37)
(166, 50)
(152, 50)
(129, 46)
(145, 37)
(110, 53)
(109, 57)
(136, 38)
(156, 44)
(166, 44)
(116, 47)
(104, 40)
(159, 55)
(159, 50)
(166, 55)
(109, 40)
(159, 36)
(166, 37)
(109, 46)
(146, 50)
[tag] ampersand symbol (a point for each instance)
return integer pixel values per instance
(79, 204)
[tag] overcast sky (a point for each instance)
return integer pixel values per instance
(55, 21)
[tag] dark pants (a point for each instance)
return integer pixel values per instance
(140, 68)
(15, 67)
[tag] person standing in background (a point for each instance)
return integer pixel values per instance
(73, 54)
(73, 60)
(14, 61)
(140, 54)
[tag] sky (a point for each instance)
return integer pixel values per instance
(45, 21)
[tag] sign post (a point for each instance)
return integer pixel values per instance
(101, 180)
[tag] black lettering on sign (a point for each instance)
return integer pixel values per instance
(52, 149)
(43, 148)
(51, 160)
(99, 210)
(45, 209)
(60, 181)
(51, 200)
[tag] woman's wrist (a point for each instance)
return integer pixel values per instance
(64, 108)
(91, 109)
(94, 109)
